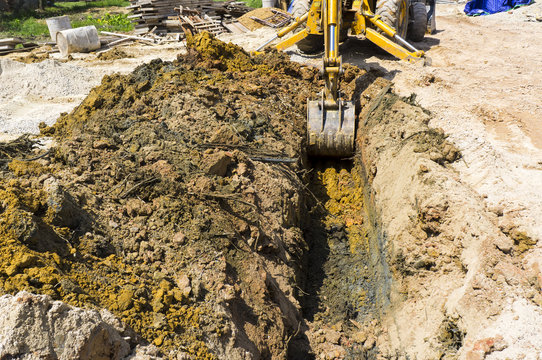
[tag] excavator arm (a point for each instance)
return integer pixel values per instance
(331, 121)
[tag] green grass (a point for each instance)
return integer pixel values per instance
(30, 24)
(253, 3)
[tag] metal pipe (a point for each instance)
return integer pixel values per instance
(332, 44)
(405, 43)
(286, 30)
(267, 42)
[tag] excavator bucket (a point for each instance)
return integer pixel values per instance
(331, 132)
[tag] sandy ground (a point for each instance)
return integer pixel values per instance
(40, 92)
(484, 89)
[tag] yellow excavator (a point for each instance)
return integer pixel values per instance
(331, 121)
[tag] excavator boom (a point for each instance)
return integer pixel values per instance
(331, 121)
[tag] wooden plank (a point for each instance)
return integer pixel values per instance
(17, 50)
(11, 41)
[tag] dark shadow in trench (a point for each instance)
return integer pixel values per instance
(341, 284)
(316, 237)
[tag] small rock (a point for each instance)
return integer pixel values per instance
(497, 210)
(183, 283)
(159, 321)
(217, 163)
(179, 238)
(333, 337)
(499, 344)
(359, 337)
(370, 342)
(70, 287)
(504, 244)
(183, 356)
(227, 293)
(425, 263)
(102, 144)
(125, 300)
(136, 207)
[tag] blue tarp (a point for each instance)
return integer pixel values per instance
(486, 7)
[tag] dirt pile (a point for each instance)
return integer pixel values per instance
(167, 201)
(113, 54)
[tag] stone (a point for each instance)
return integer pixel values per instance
(125, 300)
(333, 336)
(359, 337)
(179, 238)
(159, 321)
(183, 283)
(61, 206)
(102, 144)
(504, 244)
(217, 163)
(37, 325)
(370, 342)
(135, 207)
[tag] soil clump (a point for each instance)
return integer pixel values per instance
(113, 54)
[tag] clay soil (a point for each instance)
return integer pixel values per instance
(179, 197)
(172, 201)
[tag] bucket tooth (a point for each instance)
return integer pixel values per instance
(331, 132)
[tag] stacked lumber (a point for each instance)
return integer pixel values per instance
(9, 45)
(226, 9)
(163, 16)
(154, 14)
(194, 21)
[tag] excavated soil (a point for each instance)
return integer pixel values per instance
(174, 197)
(113, 54)
(179, 198)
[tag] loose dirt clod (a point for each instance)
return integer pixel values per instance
(113, 54)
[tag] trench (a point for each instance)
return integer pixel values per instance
(347, 276)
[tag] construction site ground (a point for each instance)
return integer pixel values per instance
(426, 246)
